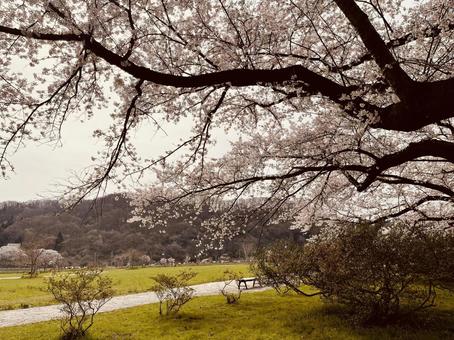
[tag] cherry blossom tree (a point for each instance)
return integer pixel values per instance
(33, 257)
(36, 257)
(51, 258)
(11, 256)
(336, 110)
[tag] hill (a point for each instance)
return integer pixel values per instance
(100, 233)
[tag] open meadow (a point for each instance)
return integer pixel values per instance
(30, 292)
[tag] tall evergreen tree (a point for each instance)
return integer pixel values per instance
(58, 241)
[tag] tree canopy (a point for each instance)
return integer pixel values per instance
(338, 110)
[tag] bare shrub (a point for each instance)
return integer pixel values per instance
(282, 266)
(173, 291)
(380, 272)
(33, 259)
(82, 293)
(231, 290)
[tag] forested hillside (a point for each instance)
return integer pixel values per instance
(100, 233)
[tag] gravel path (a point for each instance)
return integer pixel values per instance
(37, 314)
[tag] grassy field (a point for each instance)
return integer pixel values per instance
(25, 292)
(257, 316)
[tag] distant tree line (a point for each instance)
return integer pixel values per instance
(101, 234)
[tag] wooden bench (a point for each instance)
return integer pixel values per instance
(245, 280)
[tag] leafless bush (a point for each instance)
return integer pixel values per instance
(82, 293)
(231, 291)
(281, 266)
(173, 291)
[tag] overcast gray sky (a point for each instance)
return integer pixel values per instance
(40, 167)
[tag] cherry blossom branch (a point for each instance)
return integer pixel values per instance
(414, 206)
(429, 32)
(398, 79)
(95, 184)
(43, 36)
(393, 117)
(394, 179)
(428, 147)
(22, 126)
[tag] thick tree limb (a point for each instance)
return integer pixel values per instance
(43, 36)
(414, 206)
(430, 102)
(429, 147)
(429, 32)
(394, 179)
(235, 77)
(393, 73)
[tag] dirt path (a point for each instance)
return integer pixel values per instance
(45, 313)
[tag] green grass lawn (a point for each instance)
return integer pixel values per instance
(257, 316)
(9, 274)
(25, 292)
